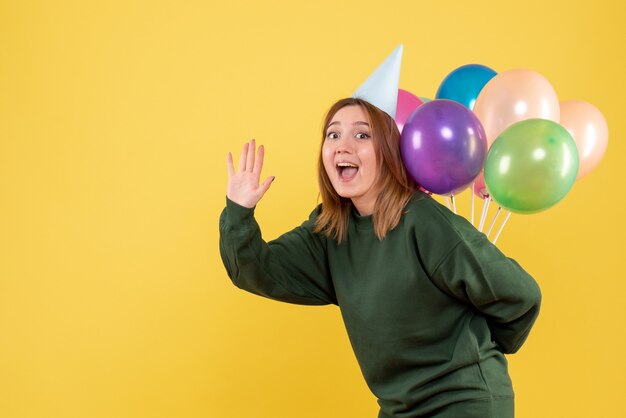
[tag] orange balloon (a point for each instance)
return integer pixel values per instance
(590, 132)
(513, 96)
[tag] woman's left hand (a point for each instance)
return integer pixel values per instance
(243, 185)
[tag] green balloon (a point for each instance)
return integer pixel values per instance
(531, 166)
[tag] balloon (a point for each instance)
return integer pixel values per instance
(513, 96)
(531, 166)
(425, 99)
(463, 84)
(443, 146)
(407, 103)
(480, 188)
(590, 132)
(423, 190)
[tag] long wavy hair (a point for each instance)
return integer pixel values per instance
(393, 183)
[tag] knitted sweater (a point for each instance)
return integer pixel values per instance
(430, 310)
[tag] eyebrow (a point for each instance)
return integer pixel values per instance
(360, 122)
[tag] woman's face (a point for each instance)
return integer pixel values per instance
(349, 157)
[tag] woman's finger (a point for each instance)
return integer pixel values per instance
(266, 184)
(251, 151)
(244, 155)
(259, 161)
(229, 164)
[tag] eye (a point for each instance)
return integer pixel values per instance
(332, 135)
(362, 135)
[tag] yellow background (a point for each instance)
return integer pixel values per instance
(115, 119)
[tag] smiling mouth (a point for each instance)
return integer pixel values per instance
(346, 171)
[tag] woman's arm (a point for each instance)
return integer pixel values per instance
(478, 273)
(463, 262)
(291, 268)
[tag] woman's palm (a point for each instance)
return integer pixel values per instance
(243, 185)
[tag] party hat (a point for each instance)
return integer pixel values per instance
(381, 88)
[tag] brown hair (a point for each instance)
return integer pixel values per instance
(395, 186)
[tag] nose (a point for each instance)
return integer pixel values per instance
(344, 146)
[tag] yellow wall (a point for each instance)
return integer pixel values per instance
(115, 119)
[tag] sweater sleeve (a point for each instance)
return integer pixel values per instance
(477, 272)
(292, 268)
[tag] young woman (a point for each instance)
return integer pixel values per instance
(430, 305)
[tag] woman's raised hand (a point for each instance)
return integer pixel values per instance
(243, 185)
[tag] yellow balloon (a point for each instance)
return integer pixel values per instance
(513, 96)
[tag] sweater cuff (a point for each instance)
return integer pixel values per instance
(237, 214)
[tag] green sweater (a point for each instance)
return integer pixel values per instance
(430, 310)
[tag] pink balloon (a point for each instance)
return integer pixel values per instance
(513, 96)
(590, 132)
(407, 103)
(423, 190)
(480, 188)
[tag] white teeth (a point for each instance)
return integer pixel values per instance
(345, 165)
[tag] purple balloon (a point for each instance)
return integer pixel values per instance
(443, 146)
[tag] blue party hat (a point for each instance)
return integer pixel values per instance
(381, 88)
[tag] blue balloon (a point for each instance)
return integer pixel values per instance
(465, 83)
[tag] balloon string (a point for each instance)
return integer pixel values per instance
(472, 192)
(493, 221)
(453, 203)
(502, 226)
(448, 202)
(484, 214)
